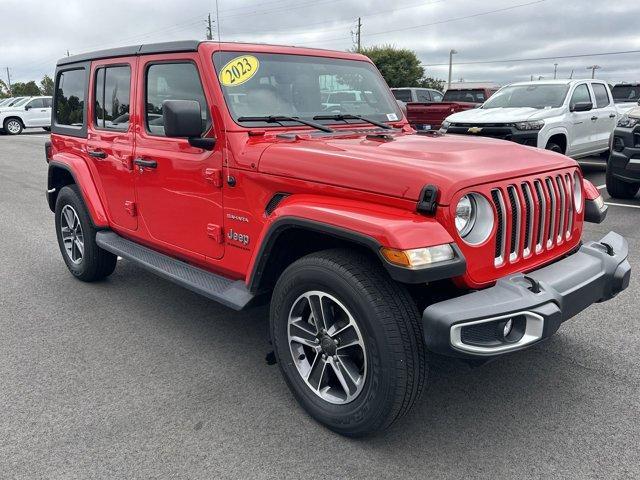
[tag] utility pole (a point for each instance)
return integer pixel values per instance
(571, 76)
(217, 20)
(593, 69)
(359, 33)
(68, 54)
(9, 80)
(452, 52)
(555, 71)
(209, 30)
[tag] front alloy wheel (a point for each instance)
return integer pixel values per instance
(327, 347)
(13, 126)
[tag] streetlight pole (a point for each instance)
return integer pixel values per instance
(452, 52)
(593, 69)
(555, 71)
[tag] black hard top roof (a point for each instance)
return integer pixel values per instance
(166, 47)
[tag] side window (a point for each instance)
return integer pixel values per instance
(36, 103)
(112, 97)
(423, 96)
(601, 94)
(581, 94)
(70, 98)
(172, 81)
(47, 102)
(437, 97)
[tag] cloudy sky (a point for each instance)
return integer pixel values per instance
(35, 33)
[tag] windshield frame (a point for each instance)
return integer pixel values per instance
(566, 86)
(384, 90)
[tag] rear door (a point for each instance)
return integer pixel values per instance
(582, 125)
(110, 136)
(422, 95)
(605, 111)
(180, 196)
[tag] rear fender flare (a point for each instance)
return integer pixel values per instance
(79, 170)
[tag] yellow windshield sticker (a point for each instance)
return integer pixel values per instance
(239, 70)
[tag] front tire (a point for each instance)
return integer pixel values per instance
(77, 238)
(620, 189)
(554, 147)
(348, 341)
(13, 126)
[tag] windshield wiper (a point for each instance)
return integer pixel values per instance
(283, 118)
(348, 116)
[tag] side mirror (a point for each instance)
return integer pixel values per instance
(581, 107)
(183, 119)
(27, 108)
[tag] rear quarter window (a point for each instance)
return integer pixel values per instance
(601, 94)
(70, 100)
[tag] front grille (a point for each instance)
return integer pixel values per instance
(538, 214)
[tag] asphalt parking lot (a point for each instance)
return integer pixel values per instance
(135, 377)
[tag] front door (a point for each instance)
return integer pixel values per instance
(36, 113)
(178, 188)
(582, 124)
(605, 111)
(110, 137)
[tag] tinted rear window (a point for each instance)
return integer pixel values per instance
(70, 98)
(602, 96)
(626, 93)
(402, 95)
(472, 95)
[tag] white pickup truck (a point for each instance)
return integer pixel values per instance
(29, 113)
(573, 117)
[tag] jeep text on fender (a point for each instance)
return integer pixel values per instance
(242, 172)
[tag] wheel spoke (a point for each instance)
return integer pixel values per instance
(316, 373)
(344, 377)
(348, 337)
(80, 247)
(298, 333)
(316, 312)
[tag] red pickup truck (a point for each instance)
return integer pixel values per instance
(429, 116)
(217, 167)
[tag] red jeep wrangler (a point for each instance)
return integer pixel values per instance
(218, 167)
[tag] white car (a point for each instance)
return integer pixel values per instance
(573, 117)
(626, 96)
(28, 113)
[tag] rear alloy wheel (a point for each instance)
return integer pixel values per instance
(13, 126)
(77, 238)
(348, 340)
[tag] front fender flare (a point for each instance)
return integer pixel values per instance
(369, 225)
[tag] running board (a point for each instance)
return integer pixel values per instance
(232, 293)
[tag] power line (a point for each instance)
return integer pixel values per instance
(557, 57)
(513, 7)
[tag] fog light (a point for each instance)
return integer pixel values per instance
(508, 326)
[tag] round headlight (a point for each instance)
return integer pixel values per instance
(465, 215)
(474, 218)
(577, 192)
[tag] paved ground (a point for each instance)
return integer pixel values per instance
(137, 378)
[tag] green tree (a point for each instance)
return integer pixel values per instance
(400, 67)
(4, 90)
(46, 85)
(22, 89)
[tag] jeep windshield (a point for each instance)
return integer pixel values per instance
(626, 93)
(261, 86)
(532, 96)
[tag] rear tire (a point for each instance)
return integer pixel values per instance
(13, 126)
(620, 189)
(77, 238)
(381, 346)
(46, 129)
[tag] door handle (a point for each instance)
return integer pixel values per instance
(593, 119)
(141, 162)
(97, 154)
(613, 115)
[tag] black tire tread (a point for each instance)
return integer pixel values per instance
(398, 316)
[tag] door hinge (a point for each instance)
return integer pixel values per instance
(215, 232)
(214, 176)
(130, 207)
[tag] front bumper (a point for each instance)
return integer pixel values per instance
(499, 131)
(537, 303)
